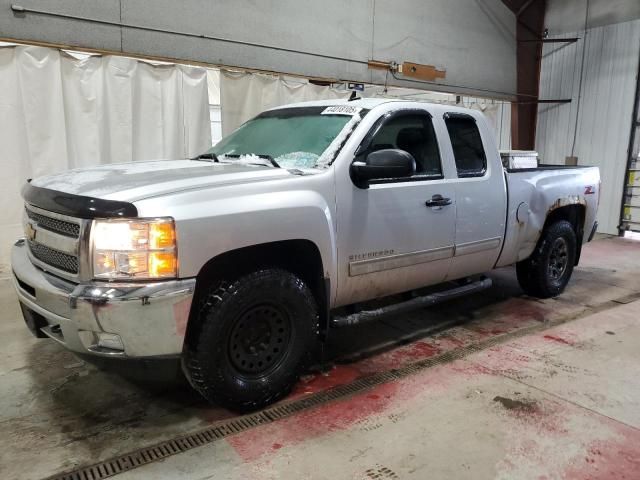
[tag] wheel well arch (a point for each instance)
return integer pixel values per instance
(300, 257)
(575, 214)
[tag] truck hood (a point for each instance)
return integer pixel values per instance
(135, 181)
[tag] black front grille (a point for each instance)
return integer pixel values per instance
(68, 229)
(55, 258)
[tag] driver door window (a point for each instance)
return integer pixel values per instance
(412, 133)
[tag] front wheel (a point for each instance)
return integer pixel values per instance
(251, 339)
(548, 270)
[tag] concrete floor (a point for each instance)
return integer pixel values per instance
(558, 403)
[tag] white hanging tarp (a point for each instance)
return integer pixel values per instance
(59, 111)
(245, 95)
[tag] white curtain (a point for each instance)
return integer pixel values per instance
(498, 114)
(213, 83)
(244, 95)
(60, 111)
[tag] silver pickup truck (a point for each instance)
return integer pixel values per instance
(237, 261)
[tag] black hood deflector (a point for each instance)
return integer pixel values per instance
(77, 206)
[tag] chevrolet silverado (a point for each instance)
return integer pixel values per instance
(236, 262)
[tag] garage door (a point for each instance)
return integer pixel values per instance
(631, 202)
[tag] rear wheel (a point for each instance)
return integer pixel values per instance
(252, 338)
(548, 270)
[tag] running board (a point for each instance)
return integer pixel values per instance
(413, 304)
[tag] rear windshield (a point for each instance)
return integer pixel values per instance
(306, 137)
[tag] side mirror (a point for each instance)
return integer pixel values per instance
(388, 163)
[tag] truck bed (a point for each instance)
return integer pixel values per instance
(544, 167)
(533, 193)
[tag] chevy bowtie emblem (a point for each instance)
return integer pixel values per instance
(30, 231)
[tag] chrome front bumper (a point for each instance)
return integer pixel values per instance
(150, 319)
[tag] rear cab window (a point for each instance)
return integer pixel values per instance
(468, 150)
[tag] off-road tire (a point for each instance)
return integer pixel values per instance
(268, 317)
(548, 270)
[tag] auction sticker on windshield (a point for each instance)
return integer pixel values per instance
(341, 110)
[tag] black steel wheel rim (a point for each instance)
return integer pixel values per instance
(259, 339)
(558, 258)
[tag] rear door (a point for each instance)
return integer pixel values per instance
(480, 192)
(392, 237)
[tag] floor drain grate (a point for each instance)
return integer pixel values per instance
(151, 454)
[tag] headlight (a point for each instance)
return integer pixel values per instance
(134, 249)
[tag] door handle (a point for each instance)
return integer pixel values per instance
(438, 201)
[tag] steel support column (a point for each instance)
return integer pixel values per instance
(529, 33)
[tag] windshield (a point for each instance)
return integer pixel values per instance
(303, 137)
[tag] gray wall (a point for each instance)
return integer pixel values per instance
(596, 125)
(569, 15)
(474, 40)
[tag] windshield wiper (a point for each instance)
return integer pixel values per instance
(268, 158)
(271, 159)
(207, 156)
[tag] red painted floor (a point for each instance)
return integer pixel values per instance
(563, 403)
(546, 399)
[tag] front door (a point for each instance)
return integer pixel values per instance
(399, 234)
